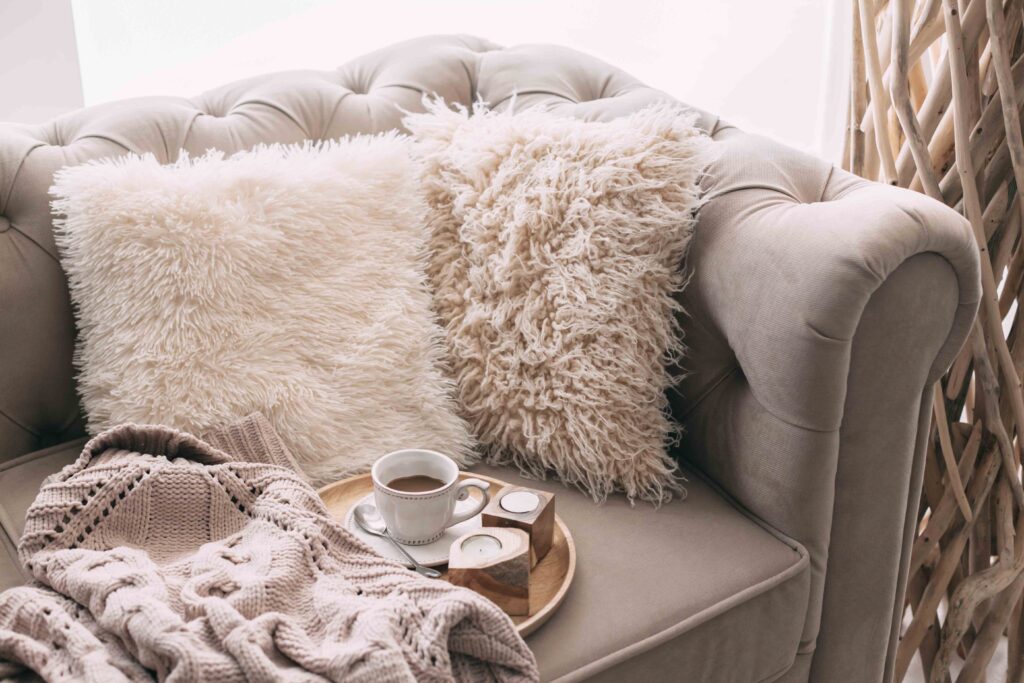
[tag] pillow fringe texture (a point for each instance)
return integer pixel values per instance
(557, 257)
(287, 280)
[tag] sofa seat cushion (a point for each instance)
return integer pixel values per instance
(695, 590)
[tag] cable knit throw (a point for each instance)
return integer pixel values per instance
(157, 554)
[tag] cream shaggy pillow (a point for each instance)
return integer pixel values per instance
(557, 254)
(285, 280)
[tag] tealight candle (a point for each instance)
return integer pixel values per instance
(528, 509)
(494, 562)
(480, 546)
(520, 501)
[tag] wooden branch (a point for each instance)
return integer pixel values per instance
(949, 112)
(1007, 87)
(879, 95)
(943, 514)
(904, 107)
(935, 107)
(986, 137)
(974, 21)
(929, 646)
(980, 586)
(1015, 647)
(990, 301)
(974, 668)
(933, 595)
(1008, 97)
(959, 375)
(858, 99)
(995, 215)
(992, 420)
(956, 484)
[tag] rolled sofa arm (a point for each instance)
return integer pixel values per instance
(820, 310)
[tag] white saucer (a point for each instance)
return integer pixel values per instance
(431, 554)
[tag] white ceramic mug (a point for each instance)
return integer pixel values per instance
(418, 518)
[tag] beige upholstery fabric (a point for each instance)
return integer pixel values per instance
(789, 268)
(820, 308)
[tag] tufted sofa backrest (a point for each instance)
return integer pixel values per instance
(38, 401)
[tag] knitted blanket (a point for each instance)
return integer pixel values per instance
(158, 554)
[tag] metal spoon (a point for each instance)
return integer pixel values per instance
(369, 520)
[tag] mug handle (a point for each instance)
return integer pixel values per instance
(462, 493)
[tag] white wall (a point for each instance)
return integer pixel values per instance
(772, 67)
(39, 76)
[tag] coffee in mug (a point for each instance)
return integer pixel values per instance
(415, 484)
(416, 490)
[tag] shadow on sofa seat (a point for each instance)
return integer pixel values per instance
(692, 586)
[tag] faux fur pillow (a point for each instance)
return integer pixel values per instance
(285, 280)
(557, 250)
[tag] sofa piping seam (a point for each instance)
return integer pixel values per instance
(41, 453)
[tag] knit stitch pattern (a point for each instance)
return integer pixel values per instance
(157, 554)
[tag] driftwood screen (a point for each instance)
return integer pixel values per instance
(936, 91)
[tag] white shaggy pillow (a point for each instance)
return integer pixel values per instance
(285, 280)
(557, 250)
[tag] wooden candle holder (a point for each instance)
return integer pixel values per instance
(510, 508)
(496, 564)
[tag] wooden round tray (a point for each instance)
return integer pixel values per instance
(549, 580)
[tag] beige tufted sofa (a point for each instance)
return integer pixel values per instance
(822, 307)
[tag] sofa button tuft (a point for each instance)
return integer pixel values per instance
(5, 224)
